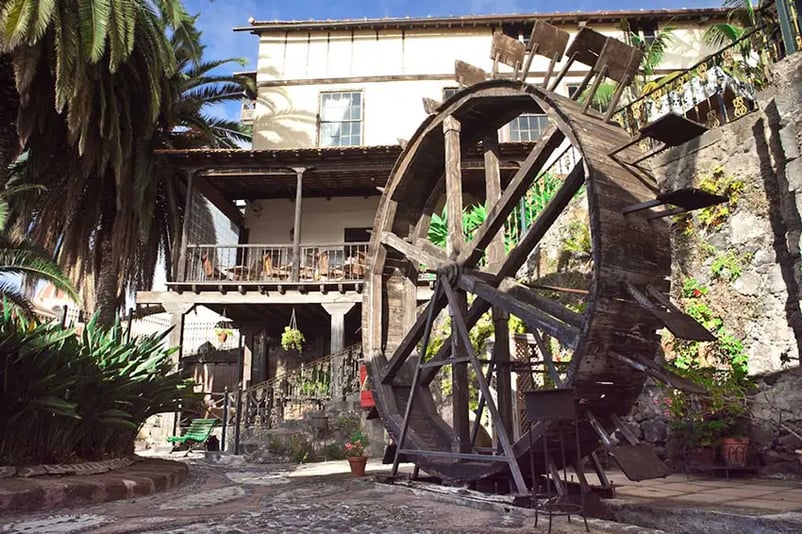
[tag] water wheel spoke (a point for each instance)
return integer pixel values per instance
(516, 258)
(552, 307)
(430, 257)
(521, 181)
(548, 358)
(532, 316)
(416, 333)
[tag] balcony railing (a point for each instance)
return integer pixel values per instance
(274, 263)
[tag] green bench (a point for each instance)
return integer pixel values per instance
(197, 433)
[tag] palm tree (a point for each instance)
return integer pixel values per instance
(91, 79)
(19, 258)
(111, 210)
(744, 17)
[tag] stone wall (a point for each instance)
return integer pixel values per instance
(749, 260)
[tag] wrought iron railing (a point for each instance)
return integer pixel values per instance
(289, 395)
(259, 263)
(721, 87)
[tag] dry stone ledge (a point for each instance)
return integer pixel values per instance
(85, 468)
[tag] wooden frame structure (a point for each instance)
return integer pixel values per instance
(613, 342)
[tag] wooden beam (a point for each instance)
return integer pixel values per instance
(414, 334)
(219, 200)
(455, 240)
(518, 256)
(416, 255)
(566, 334)
(498, 213)
(182, 258)
(296, 236)
(525, 294)
(495, 251)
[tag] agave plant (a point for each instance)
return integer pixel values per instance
(64, 396)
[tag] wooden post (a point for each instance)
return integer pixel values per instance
(188, 205)
(240, 372)
(455, 242)
(296, 236)
(495, 250)
(501, 355)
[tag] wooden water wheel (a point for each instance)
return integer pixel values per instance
(609, 343)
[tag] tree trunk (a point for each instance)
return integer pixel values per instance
(107, 296)
(9, 107)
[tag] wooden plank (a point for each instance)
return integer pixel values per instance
(460, 389)
(679, 323)
(467, 74)
(551, 41)
(219, 200)
(657, 372)
(620, 60)
(296, 228)
(415, 255)
(501, 355)
(498, 213)
(587, 46)
(525, 294)
(430, 105)
(507, 50)
(566, 334)
(455, 240)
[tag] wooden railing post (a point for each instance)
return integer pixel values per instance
(188, 205)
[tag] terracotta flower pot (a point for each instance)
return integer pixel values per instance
(357, 464)
(799, 455)
(735, 451)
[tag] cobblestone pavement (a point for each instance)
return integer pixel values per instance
(279, 498)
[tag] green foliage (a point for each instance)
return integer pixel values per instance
(334, 451)
(720, 367)
(727, 267)
(292, 339)
(717, 182)
(577, 241)
(355, 446)
(295, 447)
(64, 397)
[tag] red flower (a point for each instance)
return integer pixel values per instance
(697, 293)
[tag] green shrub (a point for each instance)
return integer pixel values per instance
(65, 397)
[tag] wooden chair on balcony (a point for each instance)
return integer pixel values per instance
(210, 270)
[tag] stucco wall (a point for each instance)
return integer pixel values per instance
(323, 221)
(394, 70)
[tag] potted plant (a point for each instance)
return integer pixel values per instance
(292, 338)
(355, 452)
(223, 332)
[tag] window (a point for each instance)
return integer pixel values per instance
(341, 119)
(448, 92)
(528, 127)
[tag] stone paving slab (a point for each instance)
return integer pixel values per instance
(316, 498)
(24, 495)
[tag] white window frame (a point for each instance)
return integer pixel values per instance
(528, 134)
(350, 120)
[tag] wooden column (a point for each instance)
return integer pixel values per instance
(455, 242)
(175, 339)
(337, 311)
(296, 236)
(495, 250)
(495, 257)
(188, 205)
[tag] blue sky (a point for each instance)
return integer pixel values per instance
(218, 17)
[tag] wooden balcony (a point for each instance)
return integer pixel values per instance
(256, 264)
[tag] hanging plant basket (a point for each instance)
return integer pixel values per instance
(292, 338)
